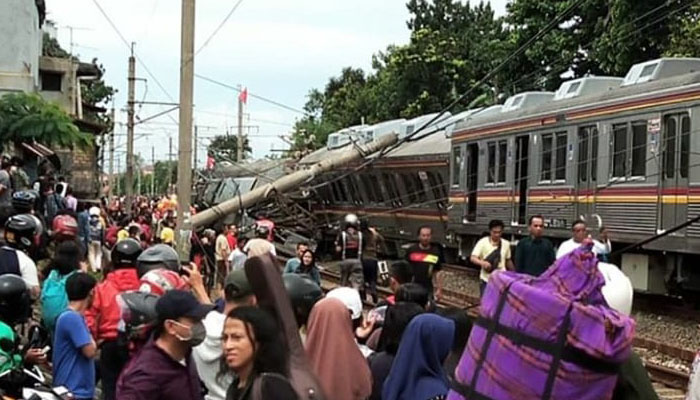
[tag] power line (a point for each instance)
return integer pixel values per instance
(218, 28)
(255, 96)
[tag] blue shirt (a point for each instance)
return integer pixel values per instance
(292, 265)
(70, 367)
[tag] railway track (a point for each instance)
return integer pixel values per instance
(669, 383)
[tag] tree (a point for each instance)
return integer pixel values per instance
(27, 117)
(685, 35)
(226, 147)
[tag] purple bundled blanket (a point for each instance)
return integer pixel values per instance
(550, 337)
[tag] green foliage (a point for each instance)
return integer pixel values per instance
(51, 48)
(27, 117)
(453, 45)
(226, 147)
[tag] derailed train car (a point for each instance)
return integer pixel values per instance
(621, 152)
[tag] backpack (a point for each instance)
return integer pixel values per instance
(54, 298)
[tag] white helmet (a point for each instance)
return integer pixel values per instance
(617, 291)
(351, 220)
(94, 211)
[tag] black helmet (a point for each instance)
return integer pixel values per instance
(262, 231)
(15, 302)
(24, 201)
(158, 256)
(125, 253)
(303, 294)
(20, 231)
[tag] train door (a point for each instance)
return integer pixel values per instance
(522, 149)
(587, 171)
(674, 175)
(472, 164)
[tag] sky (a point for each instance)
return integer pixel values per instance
(278, 49)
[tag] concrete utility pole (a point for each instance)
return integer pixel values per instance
(153, 176)
(138, 177)
(129, 181)
(289, 182)
(111, 156)
(194, 150)
(170, 164)
(184, 167)
(119, 166)
(239, 149)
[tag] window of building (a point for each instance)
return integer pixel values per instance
(629, 143)
(553, 157)
(456, 165)
(51, 81)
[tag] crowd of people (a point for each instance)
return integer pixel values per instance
(121, 316)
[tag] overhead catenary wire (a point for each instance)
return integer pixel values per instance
(218, 28)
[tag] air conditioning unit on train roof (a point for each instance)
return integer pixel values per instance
(526, 100)
(459, 118)
(587, 86)
(410, 126)
(344, 136)
(660, 69)
(376, 131)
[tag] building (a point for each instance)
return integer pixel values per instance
(23, 68)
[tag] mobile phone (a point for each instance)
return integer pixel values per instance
(45, 350)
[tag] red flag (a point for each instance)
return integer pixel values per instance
(243, 96)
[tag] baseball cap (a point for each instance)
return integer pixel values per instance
(238, 281)
(175, 304)
(350, 297)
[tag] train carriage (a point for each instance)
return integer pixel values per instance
(621, 152)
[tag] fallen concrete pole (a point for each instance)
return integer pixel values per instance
(290, 182)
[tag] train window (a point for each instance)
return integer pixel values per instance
(685, 146)
(336, 193)
(343, 193)
(619, 145)
(560, 157)
(491, 171)
(546, 162)
(456, 165)
(374, 182)
(670, 148)
(391, 188)
(583, 142)
(353, 190)
(502, 151)
(594, 154)
(411, 189)
(639, 148)
(369, 189)
(421, 194)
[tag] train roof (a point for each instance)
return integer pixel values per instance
(658, 83)
(264, 168)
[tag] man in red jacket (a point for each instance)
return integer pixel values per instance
(104, 314)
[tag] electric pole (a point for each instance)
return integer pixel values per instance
(184, 167)
(239, 149)
(111, 155)
(153, 177)
(138, 177)
(129, 181)
(170, 164)
(194, 150)
(119, 165)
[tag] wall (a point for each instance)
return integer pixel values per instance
(66, 97)
(21, 45)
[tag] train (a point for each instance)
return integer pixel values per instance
(619, 152)
(614, 151)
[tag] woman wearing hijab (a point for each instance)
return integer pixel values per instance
(330, 339)
(417, 371)
(308, 266)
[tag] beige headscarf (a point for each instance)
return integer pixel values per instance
(333, 353)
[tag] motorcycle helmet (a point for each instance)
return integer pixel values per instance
(303, 294)
(617, 291)
(351, 220)
(125, 253)
(24, 201)
(15, 302)
(158, 256)
(65, 227)
(94, 211)
(21, 231)
(159, 281)
(138, 314)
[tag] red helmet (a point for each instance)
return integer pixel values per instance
(159, 281)
(65, 226)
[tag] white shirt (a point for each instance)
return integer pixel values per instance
(237, 259)
(601, 247)
(569, 246)
(207, 357)
(27, 268)
(258, 247)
